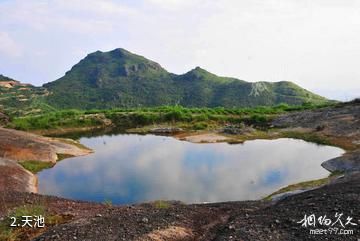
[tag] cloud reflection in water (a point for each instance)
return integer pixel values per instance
(134, 168)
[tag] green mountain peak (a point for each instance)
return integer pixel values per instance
(119, 78)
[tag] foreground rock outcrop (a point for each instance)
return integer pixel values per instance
(17, 146)
(349, 162)
(15, 177)
(23, 146)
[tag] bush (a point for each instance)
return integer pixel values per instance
(202, 117)
(200, 126)
(175, 115)
(258, 120)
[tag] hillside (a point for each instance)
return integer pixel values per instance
(119, 78)
(17, 98)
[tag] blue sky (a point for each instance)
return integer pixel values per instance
(315, 43)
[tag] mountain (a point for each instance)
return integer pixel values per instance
(17, 98)
(119, 78)
(6, 82)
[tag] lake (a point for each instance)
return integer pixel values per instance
(137, 168)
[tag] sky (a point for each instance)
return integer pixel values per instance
(314, 43)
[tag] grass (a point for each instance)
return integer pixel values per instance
(336, 173)
(137, 117)
(56, 119)
(108, 202)
(305, 185)
(36, 166)
(200, 126)
(160, 204)
(63, 156)
(301, 185)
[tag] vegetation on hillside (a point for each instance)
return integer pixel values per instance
(118, 78)
(17, 99)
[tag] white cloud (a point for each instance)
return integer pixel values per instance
(175, 4)
(94, 7)
(185, 171)
(314, 43)
(8, 46)
(78, 16)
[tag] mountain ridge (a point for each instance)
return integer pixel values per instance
(119, 78)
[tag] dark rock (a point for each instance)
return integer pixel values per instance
(237, 129)
(166, 130)
(341, 120)
(346, 163)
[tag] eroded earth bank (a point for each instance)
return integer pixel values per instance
(245, 220)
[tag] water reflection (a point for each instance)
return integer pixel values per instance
(134, 168)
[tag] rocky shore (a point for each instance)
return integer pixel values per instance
(340, 125)
(17, 146)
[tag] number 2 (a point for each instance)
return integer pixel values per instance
(13, 224)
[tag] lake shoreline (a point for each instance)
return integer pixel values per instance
(219, 135)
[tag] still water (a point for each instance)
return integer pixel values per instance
(135, 168)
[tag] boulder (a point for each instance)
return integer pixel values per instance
(16, 178)
(23, 146)
(166, 130)
(239, 129)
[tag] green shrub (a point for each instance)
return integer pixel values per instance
(175, 115)
(202, 117)
(200, 126)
